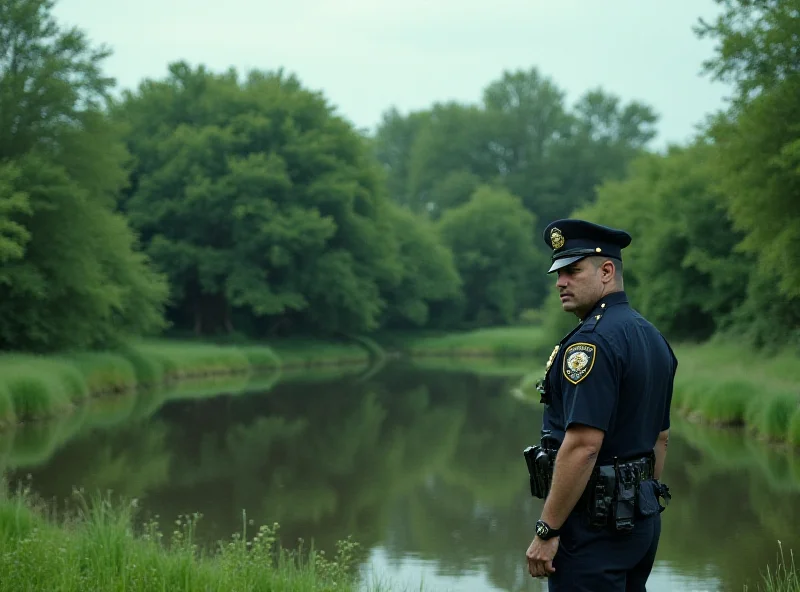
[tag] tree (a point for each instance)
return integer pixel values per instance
(13, 204)
(759, 142)
(73, 276)
(492, 241)
(392, 144)
(555, 157)
(257, 199)
(455, 139)
(522, 137)
(430, 277)
(757, 48)
(679, 268)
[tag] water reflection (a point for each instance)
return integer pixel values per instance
(422, 467)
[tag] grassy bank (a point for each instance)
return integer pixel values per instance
(728, 385)
(297, 353)
(722, 384)
(719, 383)
(36, 387)
(501, 342)
(100, 547)
(41, 387)
(103, 546)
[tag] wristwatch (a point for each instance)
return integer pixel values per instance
(544, 531)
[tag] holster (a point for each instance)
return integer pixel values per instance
(615, 495)
(540, 462)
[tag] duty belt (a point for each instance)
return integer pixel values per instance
(611, 496)
(642, 467)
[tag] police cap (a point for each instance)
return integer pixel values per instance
(572, 240)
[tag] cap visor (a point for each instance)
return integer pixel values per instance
(559, 263)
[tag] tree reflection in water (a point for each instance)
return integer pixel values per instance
(424, 465)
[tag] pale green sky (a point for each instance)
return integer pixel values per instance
(369, 55)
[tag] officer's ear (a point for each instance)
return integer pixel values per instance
(608, 271)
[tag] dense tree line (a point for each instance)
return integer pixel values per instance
(718, 221)
(213, 203)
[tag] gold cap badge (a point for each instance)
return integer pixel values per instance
(556, 238)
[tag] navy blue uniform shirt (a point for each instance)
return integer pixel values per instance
(614, 372)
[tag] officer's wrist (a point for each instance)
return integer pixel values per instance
(545, 531)
(551, 521)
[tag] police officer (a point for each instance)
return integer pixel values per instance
(607, 392)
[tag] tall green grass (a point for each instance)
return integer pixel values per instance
(38, 387)
(34, 387)
(497, 342)
(304, 353)
(726, 384)
(100, 546)
(785, 577)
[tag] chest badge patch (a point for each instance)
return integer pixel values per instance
(578, 361)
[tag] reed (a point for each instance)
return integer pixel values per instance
(784, 577)
(100, 546)
(37, 387)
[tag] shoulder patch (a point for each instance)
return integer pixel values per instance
(578, 361)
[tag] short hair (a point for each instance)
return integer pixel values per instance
(598, 260)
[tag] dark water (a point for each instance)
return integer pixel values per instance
(422, 467)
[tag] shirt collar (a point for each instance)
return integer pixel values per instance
(608, 300)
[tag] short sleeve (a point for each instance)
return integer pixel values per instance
(590, 383)
(665, 421)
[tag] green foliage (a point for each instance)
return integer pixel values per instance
(760, 159)
(13, 235)
(492, 242)
(784, 577)
(679, 269)
(758, 155)
(71, 274)
(429, 274)
(793, 432)
(522, 137)
(556, 323)
(757, 44)
(392, 145)
(267, 214)
(453, 141)
(254, 196)
(496, 341)
(729, 383)
(38, 387)
(100, 546)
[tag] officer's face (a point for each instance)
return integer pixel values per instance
(580, 285)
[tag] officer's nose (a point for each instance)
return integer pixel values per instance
(561, 282)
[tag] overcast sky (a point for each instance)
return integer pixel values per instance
(369, 55)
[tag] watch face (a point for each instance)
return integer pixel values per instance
(541, 529)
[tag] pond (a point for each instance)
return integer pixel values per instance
(422, 467)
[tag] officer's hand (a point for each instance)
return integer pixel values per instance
(540, 556)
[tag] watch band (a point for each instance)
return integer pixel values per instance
(544, 531)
